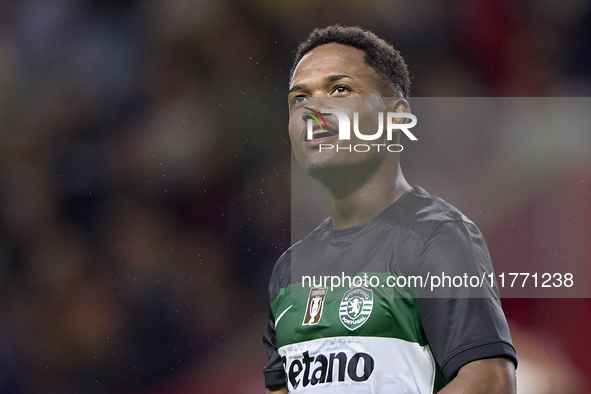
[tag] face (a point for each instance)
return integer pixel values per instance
(322, 79)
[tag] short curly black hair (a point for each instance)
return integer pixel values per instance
(379, 54)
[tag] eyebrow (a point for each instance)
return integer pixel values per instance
(329, 78)
(333, 78)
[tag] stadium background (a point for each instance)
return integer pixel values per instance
(145, 179)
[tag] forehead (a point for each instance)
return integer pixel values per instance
(333, 59)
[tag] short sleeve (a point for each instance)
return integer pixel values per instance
(274, 370)
(461, 323)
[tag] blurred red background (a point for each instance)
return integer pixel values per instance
(145, 179)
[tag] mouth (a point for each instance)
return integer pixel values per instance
(319, 133)
(320, 137)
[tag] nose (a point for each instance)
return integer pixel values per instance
(311, 113)
(306, 115)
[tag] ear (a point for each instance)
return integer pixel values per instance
(399, 105)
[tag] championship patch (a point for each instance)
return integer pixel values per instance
(315, 306)
(356, 306)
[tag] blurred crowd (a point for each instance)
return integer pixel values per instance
(145, 168)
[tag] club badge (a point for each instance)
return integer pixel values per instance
(356, 306)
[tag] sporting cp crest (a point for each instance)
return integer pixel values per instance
(356, 307)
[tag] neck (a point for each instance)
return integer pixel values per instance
(364, 198)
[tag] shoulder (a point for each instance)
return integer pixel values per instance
(423, 214)
(281, 275)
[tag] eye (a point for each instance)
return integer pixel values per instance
(300, 98)
(342, 89)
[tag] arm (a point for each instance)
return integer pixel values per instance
(488, 376)
(466, 328)
(274, 372)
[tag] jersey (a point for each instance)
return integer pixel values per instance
(385, 336)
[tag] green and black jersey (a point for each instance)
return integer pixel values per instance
(375, 337)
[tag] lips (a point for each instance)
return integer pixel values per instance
(316, 142)
(321, 136)
(320, 133)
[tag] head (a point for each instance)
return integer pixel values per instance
(352, 63)
(386, 61)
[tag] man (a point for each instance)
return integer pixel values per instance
(355, 338)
